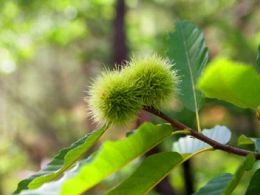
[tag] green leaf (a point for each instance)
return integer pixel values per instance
(152, 170)
(244, 140)
(112, 156)
(161, 164)
(232, 82)
(187, 49)
(254, 187)
(226, 183)
(216, 186)
(245, 166)
(188, 144)
(61, 162)
(248, 141)
(54, 187)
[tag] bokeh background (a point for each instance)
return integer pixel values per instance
(51, 50)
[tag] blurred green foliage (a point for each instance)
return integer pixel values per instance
(50, 50)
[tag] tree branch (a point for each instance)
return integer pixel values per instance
(216, 145)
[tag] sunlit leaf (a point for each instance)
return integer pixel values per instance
(189, 144)
(112, 156)
(232, 82)
(61, 162)
(186, 47)
(152, 170)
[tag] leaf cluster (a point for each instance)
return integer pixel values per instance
(117, 96)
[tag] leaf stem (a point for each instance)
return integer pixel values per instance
(198, 119)
(196, 153)
(187, 132)
(216, 145)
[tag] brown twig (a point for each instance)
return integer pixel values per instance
(216, 145)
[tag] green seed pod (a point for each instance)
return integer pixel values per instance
(113, 100)
(117, 97)
(154, 78)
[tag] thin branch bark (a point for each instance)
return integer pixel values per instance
(216, 145)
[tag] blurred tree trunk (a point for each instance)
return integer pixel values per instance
(188, 177)
(120, 51)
